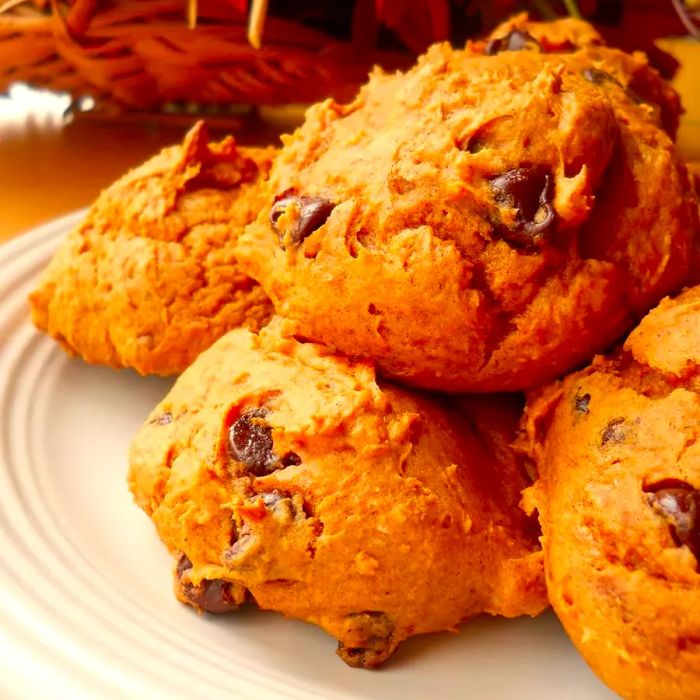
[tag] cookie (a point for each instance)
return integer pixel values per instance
(280, 473)
(479, 223)
(602, 65)
(519, 33)
(617, 449)
(149, 279)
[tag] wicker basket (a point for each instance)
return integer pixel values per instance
(141, 53)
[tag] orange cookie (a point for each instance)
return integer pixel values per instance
(480, 223)
(149, 279)
(280, 473)
(601, 64)
(618, 451)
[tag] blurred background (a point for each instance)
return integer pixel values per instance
(89, 88)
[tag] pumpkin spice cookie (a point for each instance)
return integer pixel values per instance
(617, 447)
(583, 48)
(479, 223)
(519, 33)
(280, 473)
(149, 279)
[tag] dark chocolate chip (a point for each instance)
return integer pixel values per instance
(634, 96)
(530, 191)
(597, 76)
(213, 596)
(515, 41)
(279, 205)
(291, 459)
(359, 657)
(581, 402)
(286, 507)
(475, 145)
(286, 504)
(600, 77)
(679, 503)
(493, 46)
(312, 214)
(183, 564)
(484, 135)
(243, 539)
(615, 432)
(163, 419)
(374, 629)
(272, 498)
(250, 442)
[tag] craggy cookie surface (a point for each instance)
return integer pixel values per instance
(281, 473)
(149, 279)
(483, 222)
(618, 451)
(584, 48)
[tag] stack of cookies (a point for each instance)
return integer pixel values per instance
(347, 313)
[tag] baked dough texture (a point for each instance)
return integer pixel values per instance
(618, 452)
(484, 222)
(602, 64)
(280, 473)
(149, 279)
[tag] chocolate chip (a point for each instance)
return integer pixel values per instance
(213, 596)
(285, 507)
(679, 503)
(286, 504)
(597, 76)
(163, 419)
(600, 77)
(530, 191)
(634, 96)
(615, 432)
(279, 206)
(515, 41)
(250, 442)
(272, 498)
(183, 564)
(359, 657)
(476, 142)
(581, 402)
(312, 213)
(291, 459)
(374, 630)
(475, 145)
(243, 540)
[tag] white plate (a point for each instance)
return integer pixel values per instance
(86, 609)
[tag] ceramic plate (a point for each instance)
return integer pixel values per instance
(86, 608)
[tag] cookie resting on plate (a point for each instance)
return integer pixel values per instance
(149, 279)
(618, 452)
(280, 473)
(485, 221)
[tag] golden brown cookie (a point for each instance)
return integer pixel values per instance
(281, 473)
(480, 223)
(618, 451)
(149, 279)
